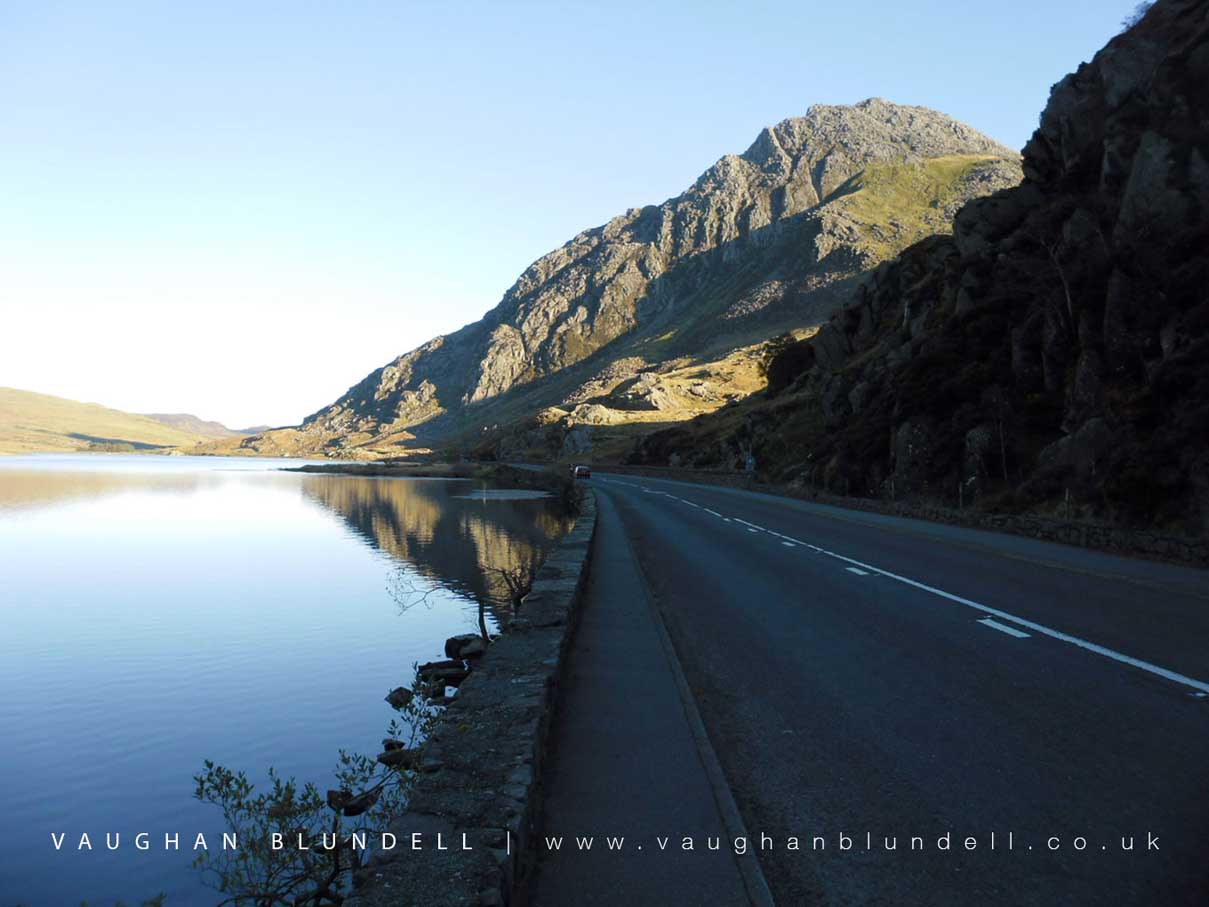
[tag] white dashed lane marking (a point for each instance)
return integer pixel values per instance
(752, 526)
(1012, 621)
(1003, 628)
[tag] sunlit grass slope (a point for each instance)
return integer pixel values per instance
(31, 422)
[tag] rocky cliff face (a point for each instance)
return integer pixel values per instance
(1052, 352)
(762, 242)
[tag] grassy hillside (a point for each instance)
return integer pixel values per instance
(897, 203)
(31, 423)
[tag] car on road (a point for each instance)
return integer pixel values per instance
(581, 472)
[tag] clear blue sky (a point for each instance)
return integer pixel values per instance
(240, 209)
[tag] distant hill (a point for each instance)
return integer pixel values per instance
(194, 425)
(32, 423)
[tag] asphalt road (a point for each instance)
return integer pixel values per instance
(860, 674)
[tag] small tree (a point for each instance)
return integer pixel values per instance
(515, 583)
(371, 794)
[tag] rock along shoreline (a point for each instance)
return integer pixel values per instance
(480, 770)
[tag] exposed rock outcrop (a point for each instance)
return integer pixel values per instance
(1053, 348)
(762, 242)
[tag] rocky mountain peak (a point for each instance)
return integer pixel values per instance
(780, 221)
(1049, 354)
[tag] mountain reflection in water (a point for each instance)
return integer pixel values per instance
(446, 535)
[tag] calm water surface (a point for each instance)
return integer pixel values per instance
(159, 611)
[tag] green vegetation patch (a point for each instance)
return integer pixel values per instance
(901, 202)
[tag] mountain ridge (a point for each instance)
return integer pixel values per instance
(1048, 356)
(762, 242)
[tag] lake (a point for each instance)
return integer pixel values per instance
(160, 611)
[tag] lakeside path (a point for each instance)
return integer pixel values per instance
(860, 673)
(631, 761)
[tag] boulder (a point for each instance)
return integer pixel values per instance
(357, 805)
(430, 666)
(1083, 450)
(449, 673)
(830, 347)
(456, 645)
(473, 648)
(399, 697)
(399, 758)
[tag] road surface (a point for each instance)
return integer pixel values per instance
(863, 678)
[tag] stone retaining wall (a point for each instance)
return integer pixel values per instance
(1135, 542)
(481, 767)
